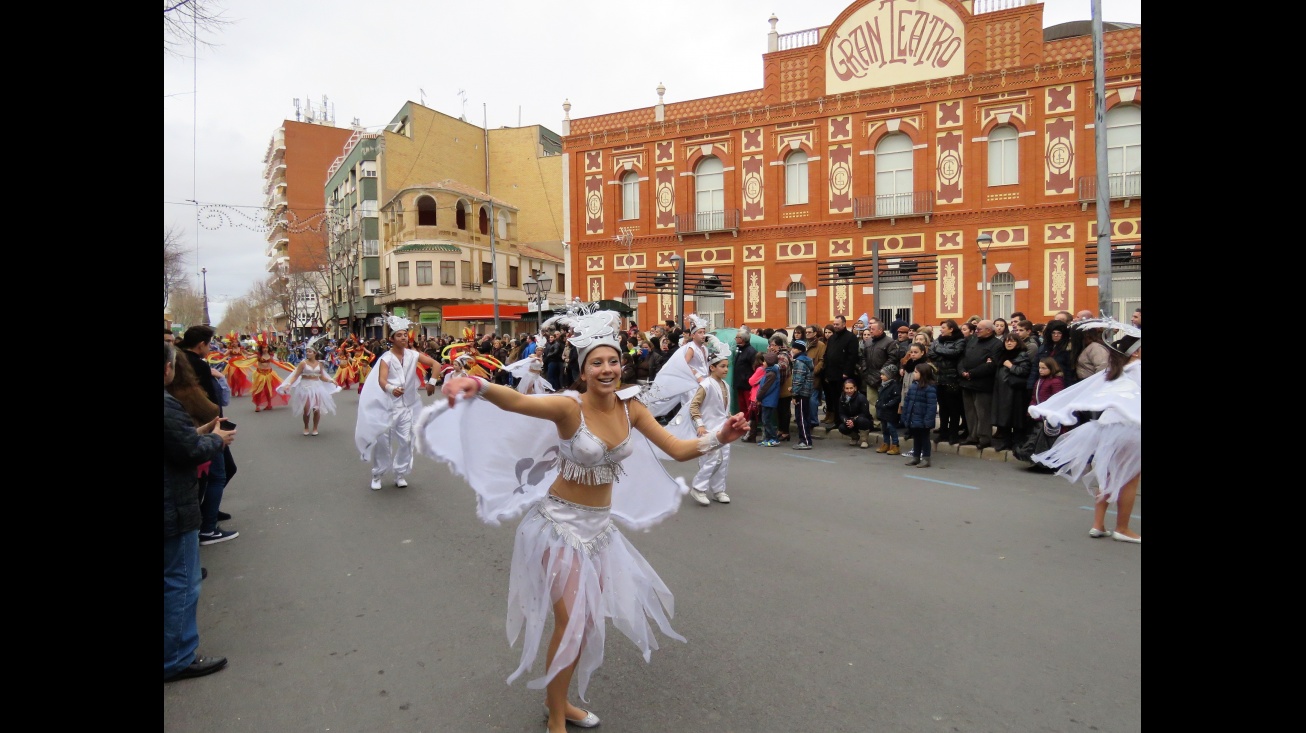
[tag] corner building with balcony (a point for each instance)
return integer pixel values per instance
(442, 223)
(884, 144)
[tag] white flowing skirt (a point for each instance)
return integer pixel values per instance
(1104, 456)
(315, 394)
(574, 552)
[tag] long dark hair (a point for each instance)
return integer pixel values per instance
(925, 374)
(186, 389)
(1117, 359)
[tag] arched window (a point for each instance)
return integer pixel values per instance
(710, 194)
(710, 303)
(1004, 157)
(796, 179)
(425, 211)
(630, 195)
(797, 303)
(631, 299)
(1003, 289)
(462, 215)
(483, 221)
(893, 176)
(1124, 151)
(502, 216)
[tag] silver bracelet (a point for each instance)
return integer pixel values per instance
(708, 443)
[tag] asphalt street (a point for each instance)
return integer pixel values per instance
(841, 591)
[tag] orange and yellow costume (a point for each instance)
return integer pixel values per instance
(266, 380)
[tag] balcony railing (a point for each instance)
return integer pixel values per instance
(894, 206)
(799, 39)
(1128, 185)
(706, 222)
(472, 286)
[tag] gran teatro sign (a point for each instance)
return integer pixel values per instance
(887, 42)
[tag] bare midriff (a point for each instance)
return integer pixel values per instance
(577, 493)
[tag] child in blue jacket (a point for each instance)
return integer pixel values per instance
(919, 409)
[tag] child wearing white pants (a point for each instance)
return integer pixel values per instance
(709, 409)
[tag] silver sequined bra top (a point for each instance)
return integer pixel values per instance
(587, 460)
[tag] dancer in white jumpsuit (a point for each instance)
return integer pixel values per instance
(384, 431)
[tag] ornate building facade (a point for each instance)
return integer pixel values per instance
(862, 177)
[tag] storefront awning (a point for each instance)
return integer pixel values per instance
(482, 312)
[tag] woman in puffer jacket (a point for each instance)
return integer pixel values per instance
(945, 353)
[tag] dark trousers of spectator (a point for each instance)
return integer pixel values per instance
(833, 390)
(979, 416)
(783, 416)
(920, 442)
(768, 424)
(801, 419)
(889, 432)
(859, 423)
(951, 412)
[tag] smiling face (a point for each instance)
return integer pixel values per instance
(602, 370)
(849, 389)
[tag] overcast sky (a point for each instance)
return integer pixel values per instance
(514, 61)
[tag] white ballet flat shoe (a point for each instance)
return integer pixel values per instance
(1126, 538)
(589, 721)
(1098, 533)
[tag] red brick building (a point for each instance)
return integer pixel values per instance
(879, 150)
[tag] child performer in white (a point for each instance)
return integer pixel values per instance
(710, 408)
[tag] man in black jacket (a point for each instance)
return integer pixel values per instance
(184, 449)
(977, 369)
(877, 349)
(840, 364)
(195, 347)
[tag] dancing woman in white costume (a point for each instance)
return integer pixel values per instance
(1106, 454)
(311, 389)
(582, 460)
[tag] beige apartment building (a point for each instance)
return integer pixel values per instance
(455, 224)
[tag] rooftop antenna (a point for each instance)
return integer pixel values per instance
(296, 109)
(462, 94)
(423, 93)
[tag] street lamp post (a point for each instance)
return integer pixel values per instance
(204, 274)
(680, 288)
(537, 287)
(984, 241)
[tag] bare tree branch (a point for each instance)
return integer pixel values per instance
(189, 21)
(174, 262)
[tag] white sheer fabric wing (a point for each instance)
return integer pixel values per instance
(373, 415)
(509, 460)
(675, 384)
(1122, 397)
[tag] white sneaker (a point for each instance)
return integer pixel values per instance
(722, 497)
(699, 496)
(376, 484)
(401, 482)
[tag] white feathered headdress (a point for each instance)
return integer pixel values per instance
(397, 323)
(598, 328)
(696, 322)
(716, 349)
(1112, 332)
